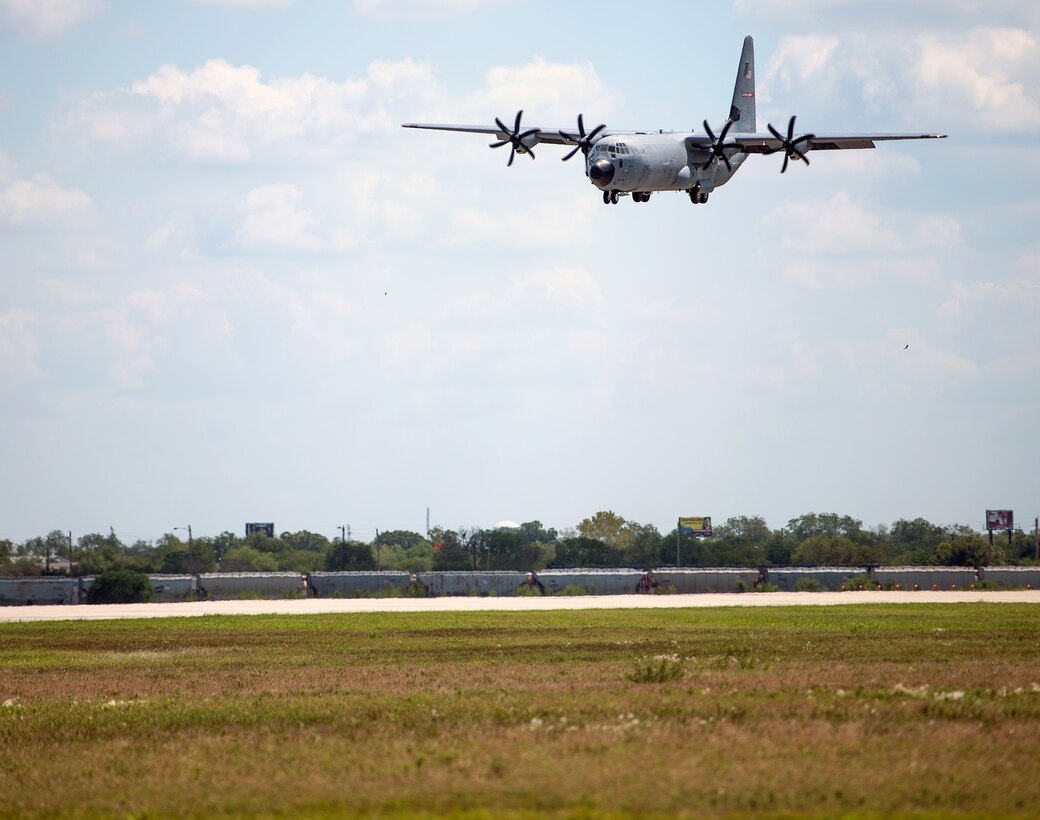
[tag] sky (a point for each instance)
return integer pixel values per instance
(233, 288)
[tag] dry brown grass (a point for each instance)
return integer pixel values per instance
(900, 709)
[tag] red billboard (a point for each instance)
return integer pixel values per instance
(1000, 519)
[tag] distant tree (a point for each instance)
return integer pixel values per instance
(227, 540)
(740, 541)
(511, 548)
(302, 561)
(913, 542)
(401, 538)
(809, 524)
(6, 551)
(305, 540)
(449, 554)
(644, 547)
(963, 549)
(249, 559)
(261, 542)
(779, 548)
(96, 552)
(835, 550)
(532, 531)
(349, 556)
(584, 552)
(120, 586)
(606, 526)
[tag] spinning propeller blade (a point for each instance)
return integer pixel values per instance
(718, 145)
(584, 141)
(514, 137)
(789, 144)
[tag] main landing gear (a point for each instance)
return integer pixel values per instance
(697, 197)
(612, 197)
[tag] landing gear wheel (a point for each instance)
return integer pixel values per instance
(606, 197)
(702, 199)
(614, 195)
(695, 193)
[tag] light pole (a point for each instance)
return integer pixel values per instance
(342, 534)
(191, 544)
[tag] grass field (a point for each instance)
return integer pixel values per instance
(931, 709)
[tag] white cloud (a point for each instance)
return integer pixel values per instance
(71, 292)
(275, 219)
(1021, 294)
(983, 72)
(46, 18)
(224, 113)
(247, 4)
(839, 226)
(883, 14)
(8, 169)
(553, 93)
(421, 9)
(570, 286)
(18, 345)
(41, 200)
(975, 78)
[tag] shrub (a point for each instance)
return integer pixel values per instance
(120, 586)
(575, 589)
(807, 585)
(860, 582)
(666, 589)
(658, 669)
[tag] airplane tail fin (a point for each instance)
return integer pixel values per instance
(742, 110)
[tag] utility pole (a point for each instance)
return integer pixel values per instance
(342, 534)
(191, 543)
(1036, 539)
(70, 553)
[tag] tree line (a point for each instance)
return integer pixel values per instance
(604, 539)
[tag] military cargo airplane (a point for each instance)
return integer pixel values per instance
(640, 163)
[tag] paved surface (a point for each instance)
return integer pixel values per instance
(314, 606)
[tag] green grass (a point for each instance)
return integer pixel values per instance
(930, 709)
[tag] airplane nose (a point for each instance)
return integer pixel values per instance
(601, 172)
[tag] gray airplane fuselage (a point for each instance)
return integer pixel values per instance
(660, 161)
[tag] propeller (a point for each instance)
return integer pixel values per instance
(789, 144)
(584, 141)
(717, 145)
(514, 137)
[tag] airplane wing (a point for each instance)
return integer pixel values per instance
(532, 136)
(767, 143)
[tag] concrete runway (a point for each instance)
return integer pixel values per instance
(316, 606)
